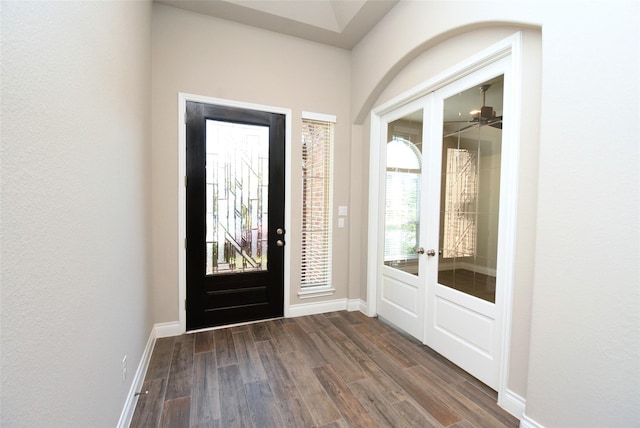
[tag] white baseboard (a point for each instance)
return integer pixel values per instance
(136, 384)
(166, 329)
(512, 403)
(527, 422)
(356, 305)
(327, 306)
(317, 307)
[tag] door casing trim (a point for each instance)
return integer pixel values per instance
(510, 46)
(182, 172)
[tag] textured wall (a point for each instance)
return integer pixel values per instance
(585, 339)
(75, 148)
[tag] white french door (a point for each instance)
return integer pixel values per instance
(444, 257)
(464, 299)
(402, 273)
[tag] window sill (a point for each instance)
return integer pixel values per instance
(316, 292)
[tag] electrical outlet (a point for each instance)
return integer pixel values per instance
(124, 368)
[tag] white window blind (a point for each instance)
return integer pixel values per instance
(317, 171)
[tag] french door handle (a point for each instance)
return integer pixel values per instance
(430, 253)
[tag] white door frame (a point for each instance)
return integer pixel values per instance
(182, 212)
(509, 47)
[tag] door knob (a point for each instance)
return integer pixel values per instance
(280, 243)
(280, 231)
(421, 250)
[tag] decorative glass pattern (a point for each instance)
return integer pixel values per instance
(237, 179)
(460, 211)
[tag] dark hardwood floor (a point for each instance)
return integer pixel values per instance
(340, 369)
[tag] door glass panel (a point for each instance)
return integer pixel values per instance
(402, 200)
(470, 190)
(237, 178)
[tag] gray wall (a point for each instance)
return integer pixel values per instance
(75, 209)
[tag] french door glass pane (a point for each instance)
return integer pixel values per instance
(237, 178)
(470, 190)
(402, 195)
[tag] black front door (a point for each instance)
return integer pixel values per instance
(235, 215)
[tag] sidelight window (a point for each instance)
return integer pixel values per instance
(317, 171)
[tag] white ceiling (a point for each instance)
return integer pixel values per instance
(341, 23)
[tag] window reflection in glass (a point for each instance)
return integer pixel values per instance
(402, 194)
(470, 190)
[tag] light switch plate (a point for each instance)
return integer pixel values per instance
(343, 210)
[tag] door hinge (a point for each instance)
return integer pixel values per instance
(185, 181)
(185, 304)
(185, 243)
(185, 117)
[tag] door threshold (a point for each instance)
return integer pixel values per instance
(219, 327)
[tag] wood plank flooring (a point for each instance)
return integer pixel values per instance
(340, 369)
